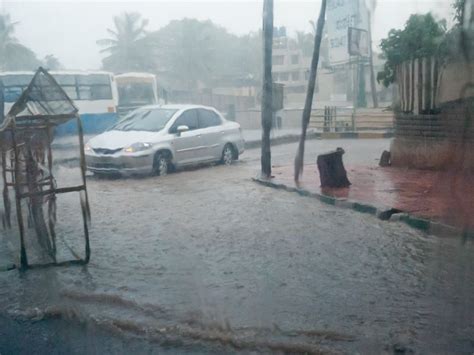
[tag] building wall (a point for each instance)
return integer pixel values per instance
(440, 141)
(454, 78)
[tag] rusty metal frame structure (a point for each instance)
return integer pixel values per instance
(25, 144)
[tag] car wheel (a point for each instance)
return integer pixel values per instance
(161, 164)
(227, 155)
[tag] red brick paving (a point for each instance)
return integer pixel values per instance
(437, 195)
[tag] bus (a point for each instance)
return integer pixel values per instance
(94, 93)
(135, 90)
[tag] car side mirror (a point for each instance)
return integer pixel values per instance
(181, 129)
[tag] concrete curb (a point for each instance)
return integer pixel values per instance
(381, 212)
(7, 267)
(288, 138)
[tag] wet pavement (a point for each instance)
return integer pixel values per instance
(206, 261)
(441, 196)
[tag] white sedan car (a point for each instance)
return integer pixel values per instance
(156, 139)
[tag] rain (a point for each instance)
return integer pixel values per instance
(208, 177)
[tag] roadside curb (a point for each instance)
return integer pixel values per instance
(288, 138)
(7, 267)
(381, 212)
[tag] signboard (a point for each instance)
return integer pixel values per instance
(341, 15)
(358, 42)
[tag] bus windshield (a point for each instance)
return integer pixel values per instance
(136, 94)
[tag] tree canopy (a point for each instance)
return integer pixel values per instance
(192, 52)
(421, 37)
(127, 46)
(189, 53)
(14, 55)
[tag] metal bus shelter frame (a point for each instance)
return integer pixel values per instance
(25, 145)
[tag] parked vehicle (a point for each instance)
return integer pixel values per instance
(156, 139)
(94, 93)
(135, 90)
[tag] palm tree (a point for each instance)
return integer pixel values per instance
(13, 55)
(127, 47)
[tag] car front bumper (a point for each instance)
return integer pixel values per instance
(119, 164)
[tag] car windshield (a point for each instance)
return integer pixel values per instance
(152, 120)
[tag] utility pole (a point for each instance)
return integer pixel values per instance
(267, 89)
(373, 88)
(299, 159)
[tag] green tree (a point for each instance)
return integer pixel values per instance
(422, 36)
(246, 59)
(14, 55)
(305, 42)
(459, 6)
(191, 53)
(50, 62)
(128, 47)
(187, 51)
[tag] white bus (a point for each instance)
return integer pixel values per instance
(93, 92)
(135, 90)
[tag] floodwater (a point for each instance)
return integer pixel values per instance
(206, 261)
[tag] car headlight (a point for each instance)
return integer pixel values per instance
(87, 148)
(137, 147)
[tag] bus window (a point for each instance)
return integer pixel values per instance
(21, 80)
(93, 79)
(136, 94)
(68, 83)
(101, 92)
(12, 93)
(94, 87)
(70, 91)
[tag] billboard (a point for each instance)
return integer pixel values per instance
(358, 42)
(342, 15)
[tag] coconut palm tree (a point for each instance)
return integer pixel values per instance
(14, 55)
(127, 47)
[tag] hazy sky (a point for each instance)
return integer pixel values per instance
(69, 28)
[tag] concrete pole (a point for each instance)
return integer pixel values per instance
(373, 88)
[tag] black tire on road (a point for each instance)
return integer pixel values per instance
(161, 164)
(228, 154)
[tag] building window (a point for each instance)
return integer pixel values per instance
(295, 76)
(284, 76)
(295, 59)
(278, 60)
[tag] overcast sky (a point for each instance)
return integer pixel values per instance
(69, 28)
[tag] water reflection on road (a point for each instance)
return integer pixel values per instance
(206, 259)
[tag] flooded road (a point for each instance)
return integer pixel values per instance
(206, 261)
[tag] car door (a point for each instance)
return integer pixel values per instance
(188, 145)
(210, 125)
